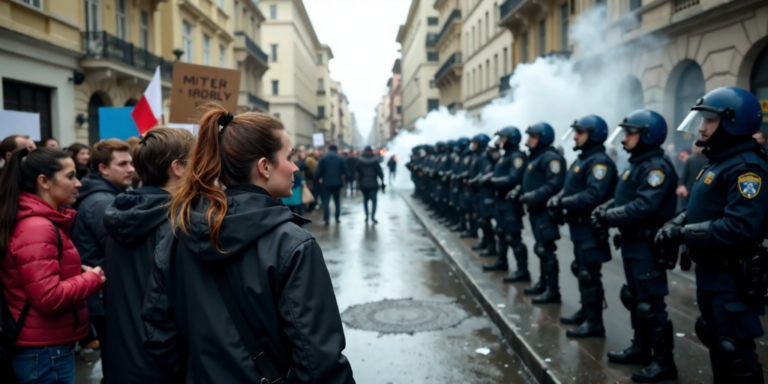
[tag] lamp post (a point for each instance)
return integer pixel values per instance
(178, 52)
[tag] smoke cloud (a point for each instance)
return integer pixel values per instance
(550, 89)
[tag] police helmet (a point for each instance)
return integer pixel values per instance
(543, 131)
(739, 111)
(594, 125)
(650, 125)
(482, 140)
(512, 134)
(463, 143)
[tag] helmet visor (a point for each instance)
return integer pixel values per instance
(696, 119)
(568, 134)
(495, 142)
(616, 137)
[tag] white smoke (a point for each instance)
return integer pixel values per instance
(551, 90)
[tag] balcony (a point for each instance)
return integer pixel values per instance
(455, 16)
(507, 7)
(432, 39)
(451, 66)
(682, 5)
(258, 102)
(514, 13)
(105, 53)
(504, 86)
(242, 41)
(321, 91)
(565, 55)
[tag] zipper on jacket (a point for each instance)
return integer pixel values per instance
(77, 319)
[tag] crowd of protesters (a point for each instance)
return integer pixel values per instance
(176, 254)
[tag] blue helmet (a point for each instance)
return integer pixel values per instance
(650, 125)
(463, 143)
(543, 131)
(482, 140)
(452, 144)
(739, 111)
(440, 146)
(594, 125)
(512, 134)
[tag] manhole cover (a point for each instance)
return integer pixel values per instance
(403, 316)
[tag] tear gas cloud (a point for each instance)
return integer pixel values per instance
(548, 90)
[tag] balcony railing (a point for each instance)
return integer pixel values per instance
(432, 39)
(105, 46)
(253, 47)
(321, 91)
(681, 5)
(454, 59)
(559, 54)
(455, 15)
(508, 6)
(504, 83)
(258, 102)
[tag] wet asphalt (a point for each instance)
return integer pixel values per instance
(392, 260)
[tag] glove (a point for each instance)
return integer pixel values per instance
(597, 218)
(671, 233)
(554, 203)
(528, 197)
(486, 180)
(514, 194)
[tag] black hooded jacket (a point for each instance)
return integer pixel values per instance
(88, 232)
(281, 283)
(136, 222)
(368, 171)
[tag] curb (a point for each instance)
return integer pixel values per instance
(530, 359)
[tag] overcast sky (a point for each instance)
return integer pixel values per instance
(362, 35)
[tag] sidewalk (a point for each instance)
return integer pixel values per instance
(535, 333)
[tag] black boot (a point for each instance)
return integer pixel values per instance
(575, 319)
(521, 257)
(499, 265)
(518, 276)
(638, 353)
(592, 300)
(471, 233)
(552, 293)
(663, 365)
(481, 245)
(536, 289)
(491, 250)
(468, 235)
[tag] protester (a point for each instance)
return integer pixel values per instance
(314, 187)
(351, 180)
(41, 269)
(133, 142)
(136, 221)
(12, 143)
(331, 173)
(50, 142)
(294, 202)
(81, 154)
(369, 173)
(111, 174)
(242, 250)
(392, 166)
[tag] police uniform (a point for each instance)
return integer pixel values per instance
(461, 177)
(470, 194)
(486, 195)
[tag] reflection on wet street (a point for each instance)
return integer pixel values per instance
(438, 334)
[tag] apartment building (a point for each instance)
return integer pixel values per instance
(395, 99)
(420, 61)
(325, 102)
(449, 49)
(487, 53)
(251, 59)
(381, 123)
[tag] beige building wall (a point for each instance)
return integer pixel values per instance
(416, 38)
(487, 54)
(449, 74)
(252, 60)
(325, 104)
(290, 84)
(381, 122)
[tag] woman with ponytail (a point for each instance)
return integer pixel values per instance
(44, 284)
(238, 273)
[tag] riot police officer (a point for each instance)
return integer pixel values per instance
(460, 172)
(644, 200)
(723, 229)
(507, 175)
(485, 164)
(412, 166)
(437, 172)
(590, 182)
(544, 177)
(470, 199)
(452, 190)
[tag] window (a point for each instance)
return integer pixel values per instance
(525, 47)
(506, 62)
(481, 86)
(222, 56)
(29, 98)
(399, 110)
(121, 22)
(92, 15)
(144, 30)
(187, 40)
(432, 104)
(487, 27)
(432, 84)
(34, 3)
(495, 68)
(273, 12)
(433, 56)
(320, 84)
(635, 4)
(236, 16)
(488, 73)
(466, 43)
(273, 48)
(206, 50)
(473, 41)
(467, 91)
(432, 20)
(320, 112)
(319, 58)
(564, 27)
(221, 4)
(573, 5)
(542, 37)
(275, 87)
(480, 33)
(475, 87)
(496, 13)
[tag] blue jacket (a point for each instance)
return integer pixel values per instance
(330, 169)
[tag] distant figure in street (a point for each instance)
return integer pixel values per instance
(690, 170)
(352, 161)
(368, 174)
(392, 165)
(760, 137)
(331, 173)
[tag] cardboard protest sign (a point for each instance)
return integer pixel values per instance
(198, 84)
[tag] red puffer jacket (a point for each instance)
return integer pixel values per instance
(31, 272)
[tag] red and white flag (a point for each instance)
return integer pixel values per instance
(149, 110)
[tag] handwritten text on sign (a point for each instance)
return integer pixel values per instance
(197, 84)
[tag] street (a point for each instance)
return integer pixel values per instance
(430, 329)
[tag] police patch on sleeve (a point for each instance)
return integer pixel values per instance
(656, 178)
(518, 162)
(625, 175)
(501, 160)
(749, 185)
(466, 161)
(576, 169)
(599, 171)
(554, 166)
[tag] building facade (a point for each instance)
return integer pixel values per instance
(418, 41)
(251, 59)
(395, 100)
(325, 103)
(449, 48)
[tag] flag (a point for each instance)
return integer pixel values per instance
(148, 111)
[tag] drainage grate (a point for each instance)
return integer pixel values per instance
(403, 316)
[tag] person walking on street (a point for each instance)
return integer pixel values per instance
(352, 161)
(369, 173)
(44, 283)
(239, 284)
(136, 221)
(392, 165)
(330, 174)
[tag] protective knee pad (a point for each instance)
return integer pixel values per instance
(646, 314)
(499, 230)
(732, 359)
(539, 250)
(627, 299)
(585, 278)
(705, 335)
(575, 268)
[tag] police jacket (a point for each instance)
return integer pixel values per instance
(332, 168)
(280, 281)
(89, 233)
(485, 165)
(544, 176)
(645, 196)
(508, 172)
(727, 194)
(135, 221)
(369, 172)
(591, 181)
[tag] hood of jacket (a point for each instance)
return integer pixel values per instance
(251, 214)
(133, 215)
(94, 183)
(369, 159)
(30, 205)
